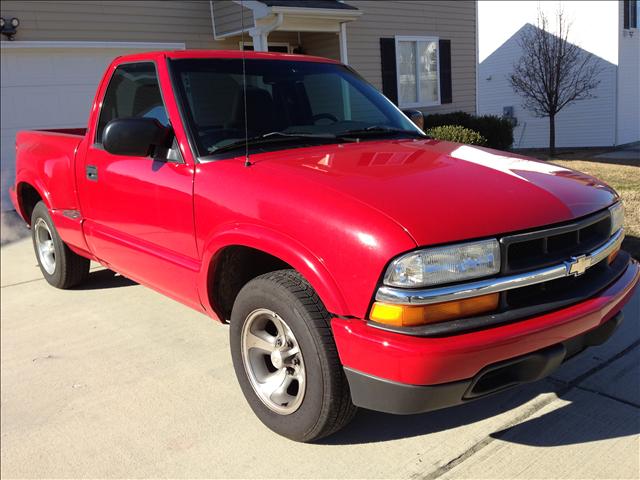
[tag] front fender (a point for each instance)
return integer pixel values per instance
(278, 245)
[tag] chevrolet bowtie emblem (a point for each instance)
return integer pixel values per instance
(578, 265)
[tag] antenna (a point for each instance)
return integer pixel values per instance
(247, 162)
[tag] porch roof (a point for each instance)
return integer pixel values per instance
(301, 15)
(328, 4)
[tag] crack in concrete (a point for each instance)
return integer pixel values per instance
(41, 279)
(565, 387)
(471, 451)
(597, 368)
(17, 284)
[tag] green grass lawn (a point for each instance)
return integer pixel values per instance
(625, 179)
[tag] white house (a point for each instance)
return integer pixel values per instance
(606, 29)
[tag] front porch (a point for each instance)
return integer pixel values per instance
(321, 44)
(311, 28)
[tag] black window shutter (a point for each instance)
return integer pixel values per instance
(388, 68)
(625, 9)
(446, 94)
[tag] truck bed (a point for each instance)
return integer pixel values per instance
(77, 132)
(47, 158)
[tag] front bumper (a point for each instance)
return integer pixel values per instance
(402, 399)
(419, 361)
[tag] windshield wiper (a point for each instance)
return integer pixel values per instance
(378, 130)
(298, 134)
(271, 137)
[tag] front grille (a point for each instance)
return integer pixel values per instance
(558, 290)
(551, 246)
(542, 248)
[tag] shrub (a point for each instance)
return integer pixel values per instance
(498, 131)
(455, 118)
(456, 133)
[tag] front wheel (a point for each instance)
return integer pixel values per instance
(60, 267)
(286, 360)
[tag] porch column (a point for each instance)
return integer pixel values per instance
(342, 36)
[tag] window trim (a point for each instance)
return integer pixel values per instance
(271, 44)
(416, 39)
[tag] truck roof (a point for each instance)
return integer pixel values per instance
(180, 54)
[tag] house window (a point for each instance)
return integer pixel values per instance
(631, 13)
(418, 76)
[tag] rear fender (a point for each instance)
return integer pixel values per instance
(68, 222)
(30, 178)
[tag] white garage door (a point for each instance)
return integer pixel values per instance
(51, 85)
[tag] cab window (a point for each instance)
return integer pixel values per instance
(133, 91)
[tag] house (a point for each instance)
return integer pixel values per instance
(606, 29)
(421, 54)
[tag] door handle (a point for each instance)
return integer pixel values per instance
(92, 173)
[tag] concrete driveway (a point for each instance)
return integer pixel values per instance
(115, 380)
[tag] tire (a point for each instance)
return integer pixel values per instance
(60, 267)
(286, 299)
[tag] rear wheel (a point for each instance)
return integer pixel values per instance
(286, 360)
(60, 267)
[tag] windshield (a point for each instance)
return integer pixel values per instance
(285, 99)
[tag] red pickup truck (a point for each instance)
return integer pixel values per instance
(357, 261)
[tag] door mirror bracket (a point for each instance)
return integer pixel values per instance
(416, 116)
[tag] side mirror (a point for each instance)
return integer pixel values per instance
(134, 137)
(416, 117)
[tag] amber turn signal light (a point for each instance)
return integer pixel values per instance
(411, 316)
(612, 256)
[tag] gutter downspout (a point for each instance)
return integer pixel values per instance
(259, 34)
(477, 22)
(616, 107)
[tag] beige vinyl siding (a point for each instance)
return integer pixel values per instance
(321, 44)
(186, 22)
(455, 21)
(228, 17)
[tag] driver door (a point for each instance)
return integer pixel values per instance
(138, 210)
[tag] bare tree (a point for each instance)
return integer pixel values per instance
(552, 72)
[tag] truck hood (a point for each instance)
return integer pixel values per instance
(441, 191)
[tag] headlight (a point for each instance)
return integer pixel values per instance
(617, 217)
(439, 265)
